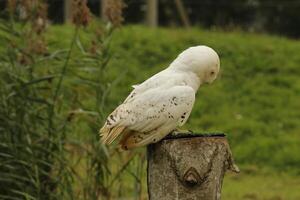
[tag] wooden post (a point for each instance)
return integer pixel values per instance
(152, 13)
(67, 10)
(188, 166)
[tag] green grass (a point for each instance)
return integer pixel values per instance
(260, 186)
(255, 100)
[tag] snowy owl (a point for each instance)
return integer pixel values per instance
(163, 102)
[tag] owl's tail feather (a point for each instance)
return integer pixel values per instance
(124, 141)
(137, 139)
(129, 141)
(133, 139)
(108, 135)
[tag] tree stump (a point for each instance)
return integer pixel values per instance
(188, 167)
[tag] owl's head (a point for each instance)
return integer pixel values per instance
(201, 60)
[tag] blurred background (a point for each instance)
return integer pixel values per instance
(272, 16)
(66, 64)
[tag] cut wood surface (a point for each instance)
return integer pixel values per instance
(188, 166)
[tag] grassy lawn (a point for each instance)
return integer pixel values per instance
(255, 100)
(261, 186)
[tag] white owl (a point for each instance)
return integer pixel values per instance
(163, 102)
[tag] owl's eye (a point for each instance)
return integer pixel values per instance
(212, 73)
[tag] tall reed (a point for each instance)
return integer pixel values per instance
(33, 162)
(43, 99)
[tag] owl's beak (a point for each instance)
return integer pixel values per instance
(211, 81)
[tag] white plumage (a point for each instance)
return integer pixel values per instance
(158, 105)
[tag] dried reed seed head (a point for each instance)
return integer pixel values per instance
(24, 59)
(35, 44)
(114, 10)
(95, 46)
(80, 13)
(32, 11)
(96, 42)
(39, 47)
(27, 8)
(39, 21)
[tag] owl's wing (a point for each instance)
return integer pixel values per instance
(173, 78)
(149, 116)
